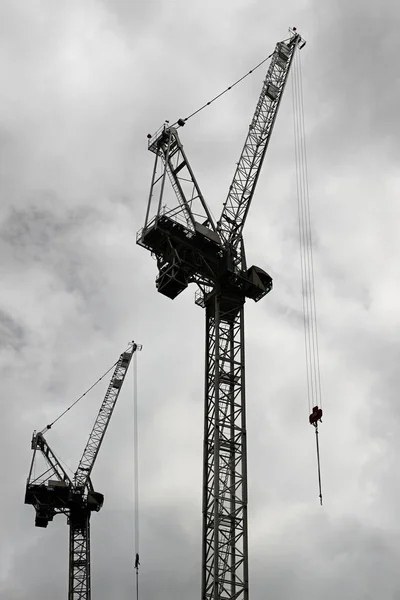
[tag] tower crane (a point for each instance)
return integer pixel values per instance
(191, 248)
(54, 492)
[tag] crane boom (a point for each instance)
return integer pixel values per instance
(241, 191)
(82, 475)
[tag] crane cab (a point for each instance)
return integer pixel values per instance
(257, 283)
(95, 501)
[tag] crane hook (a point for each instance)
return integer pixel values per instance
(315, 418)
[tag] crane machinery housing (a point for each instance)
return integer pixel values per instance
(54, 492)
(191, 248)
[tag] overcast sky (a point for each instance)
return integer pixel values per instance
(83, 83)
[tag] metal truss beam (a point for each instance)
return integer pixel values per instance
(102, 421)
(192, 207)
(56, 469)
(79, 560)
(225, 556)
(248, 168)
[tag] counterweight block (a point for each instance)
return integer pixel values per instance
(186, 256)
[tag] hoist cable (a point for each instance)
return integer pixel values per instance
(302, 239)
(306, 250)
(136, 471)
(301, 242)
(224, 92)
(312, 277)
(80, 397)
(306, 247)
(313, 374)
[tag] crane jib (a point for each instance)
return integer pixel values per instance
(102, 420)
(248, 168)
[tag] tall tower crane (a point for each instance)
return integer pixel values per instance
(53, 492)
(190, 248)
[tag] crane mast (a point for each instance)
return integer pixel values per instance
(190, 250)
(53, 492)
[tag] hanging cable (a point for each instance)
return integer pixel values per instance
(50, 425)
(313, 375)
(311, 253)
(136, 472)
(63, 463)
(301, 239)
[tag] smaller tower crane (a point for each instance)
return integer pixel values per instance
(54, 492)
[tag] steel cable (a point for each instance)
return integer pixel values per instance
(314, 392)
(181, 122)
(80, 397)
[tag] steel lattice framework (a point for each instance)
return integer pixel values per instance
(102, 421)
(191, 204)
(249, 166)
(189, 248)
(53, 492)
(79, 560)
(225, 573)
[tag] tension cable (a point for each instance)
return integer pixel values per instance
(50, 425)
(314, 393)
(181, 122)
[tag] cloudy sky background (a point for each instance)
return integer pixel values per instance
(82, 85)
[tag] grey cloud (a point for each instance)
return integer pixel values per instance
(82, 86)
(355, 85)
(11, 332)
